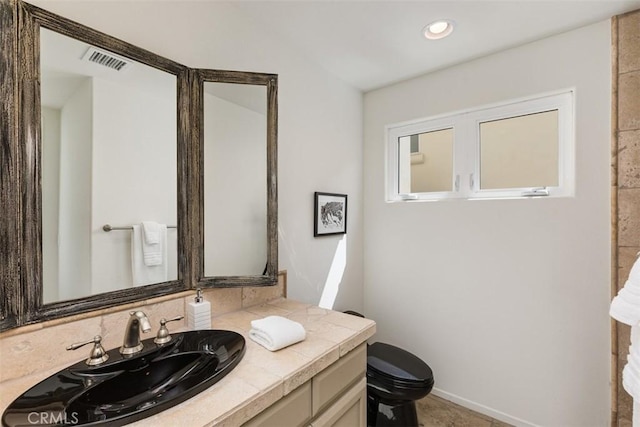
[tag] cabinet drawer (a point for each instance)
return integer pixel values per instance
(292, 410)
(350, 410)
(337, 378)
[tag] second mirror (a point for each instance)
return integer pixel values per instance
(235, 179)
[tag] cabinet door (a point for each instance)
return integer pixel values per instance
(292, 410)
(350, 410)
(331, 383)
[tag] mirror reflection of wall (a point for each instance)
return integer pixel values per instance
(235, 170)
(108, 157)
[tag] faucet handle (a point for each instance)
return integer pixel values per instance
(163, 336)
(97, 355)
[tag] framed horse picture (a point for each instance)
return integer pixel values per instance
(330, 214)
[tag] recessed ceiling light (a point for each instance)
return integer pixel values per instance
(438, 29)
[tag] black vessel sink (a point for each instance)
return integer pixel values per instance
(128, 388)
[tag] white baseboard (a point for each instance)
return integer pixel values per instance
(501, 416)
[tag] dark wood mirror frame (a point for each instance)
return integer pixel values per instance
(20, 175)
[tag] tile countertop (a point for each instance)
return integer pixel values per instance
(262, 377)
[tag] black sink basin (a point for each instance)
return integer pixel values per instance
(128, 388)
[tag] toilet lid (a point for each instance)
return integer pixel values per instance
(398, 366)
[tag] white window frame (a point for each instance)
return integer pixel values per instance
(466, 157)
(393, 183)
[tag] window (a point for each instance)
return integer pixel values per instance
(519, 148)
(426, 161)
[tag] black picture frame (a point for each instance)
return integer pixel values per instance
(329, 214)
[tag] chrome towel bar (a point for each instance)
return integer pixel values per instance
(109, 228)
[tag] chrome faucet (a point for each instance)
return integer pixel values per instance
(131, 343)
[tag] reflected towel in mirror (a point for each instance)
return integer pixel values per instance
(154, 243)
(151, 231)
(148, 266)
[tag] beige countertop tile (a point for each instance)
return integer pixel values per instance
(262, 377)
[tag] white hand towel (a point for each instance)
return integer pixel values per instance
(144, 274)
(154, 253)
(276, 332)
(151, 231)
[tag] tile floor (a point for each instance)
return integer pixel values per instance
(434, 411)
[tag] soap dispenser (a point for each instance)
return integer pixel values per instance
(199, 313)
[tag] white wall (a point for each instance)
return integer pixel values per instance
(320, 124)
(74, 220)
(507, 300)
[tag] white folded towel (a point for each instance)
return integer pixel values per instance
(276, 332)
(154, 253)
(142, 272)
(151, 231)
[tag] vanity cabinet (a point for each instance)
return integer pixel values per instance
(348, 411)
(335, 397)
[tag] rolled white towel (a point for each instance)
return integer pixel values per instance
(276, 332)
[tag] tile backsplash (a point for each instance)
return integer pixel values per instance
(41, 347)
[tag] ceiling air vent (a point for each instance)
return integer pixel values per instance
(105, 58)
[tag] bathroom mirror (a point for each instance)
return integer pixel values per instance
(86, 146)
(108, 157)
(235, 179)
(238, 242)
(111, 190)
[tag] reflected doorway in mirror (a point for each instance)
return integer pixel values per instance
(330, 214)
